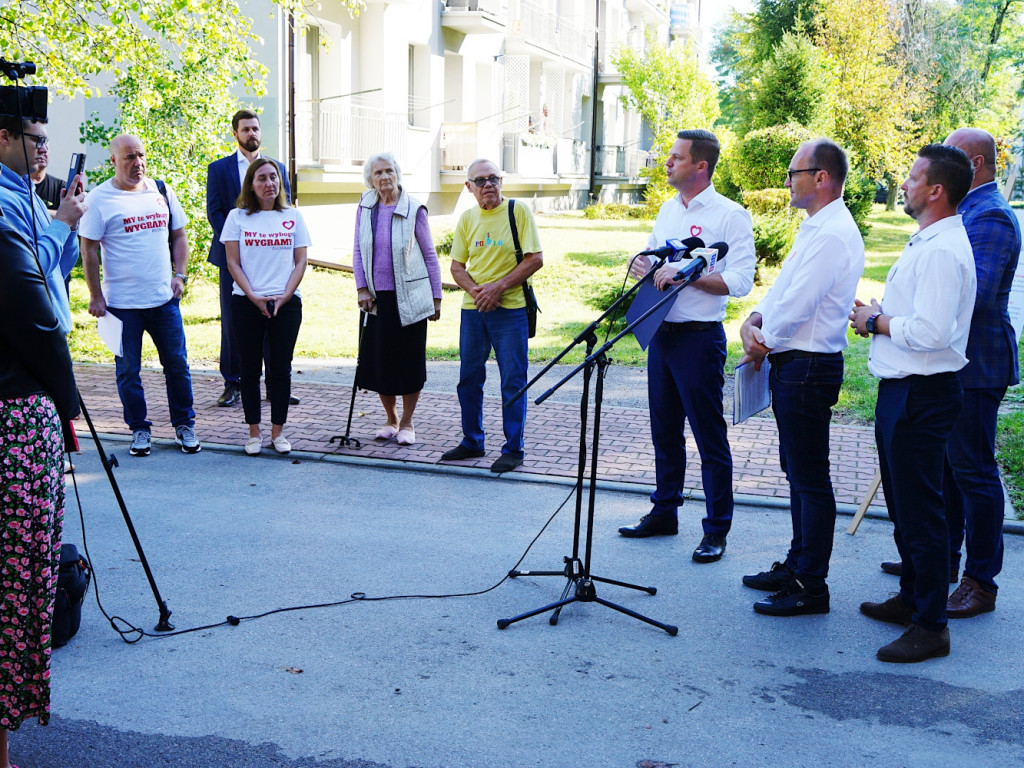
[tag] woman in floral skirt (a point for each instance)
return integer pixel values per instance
(38, 398)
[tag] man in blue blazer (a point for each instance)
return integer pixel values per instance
(973, 493)
(223, 185)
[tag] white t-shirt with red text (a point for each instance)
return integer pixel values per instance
(266, 246)
(131, 228)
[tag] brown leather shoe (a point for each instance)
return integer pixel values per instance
(893, 610)
(969, 599)
(916, 644)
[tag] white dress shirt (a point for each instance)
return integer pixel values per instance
(243, 165)
(929, 295)
(808, 305)
(713, 218)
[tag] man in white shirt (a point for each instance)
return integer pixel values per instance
(919, 339)
(130, 217)
(800, 326)
(686, 358)
(223, 184)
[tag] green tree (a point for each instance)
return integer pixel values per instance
(665, 86)
(793, 88)
(174, 65)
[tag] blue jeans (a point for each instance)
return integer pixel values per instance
(506, 332)
(163, 324)
(684, 381)
(803, 393)
(913, 419)
(972, 491)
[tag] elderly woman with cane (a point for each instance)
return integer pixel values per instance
(398, 284)
(38, 397)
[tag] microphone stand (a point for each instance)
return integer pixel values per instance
(579, 585)
(109, 462)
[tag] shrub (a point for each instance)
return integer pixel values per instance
(774, 234)
(443, 242)
(617, 211)
(859, 195)
(764, 155)
(765, 201)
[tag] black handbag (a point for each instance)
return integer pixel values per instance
(532, 308)
(72, 584)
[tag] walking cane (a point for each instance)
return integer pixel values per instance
(346, 440)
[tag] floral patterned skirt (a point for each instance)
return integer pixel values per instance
(32, 509)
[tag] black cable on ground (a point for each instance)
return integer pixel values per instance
(132, 634)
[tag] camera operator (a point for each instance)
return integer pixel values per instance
(23, 145)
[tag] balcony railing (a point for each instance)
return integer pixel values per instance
(617, 160)
(459, 146)
(493, 7)
(540, 27)
(347, 134)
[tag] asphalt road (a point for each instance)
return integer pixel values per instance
(426, 683)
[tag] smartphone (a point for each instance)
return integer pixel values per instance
(71, 439)
(77, 167)
(270, 307)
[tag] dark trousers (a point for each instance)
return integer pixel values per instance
(253, 330)
(230, 362)
(803, 393)
(972, 492)
(913, 419)
(684, 381)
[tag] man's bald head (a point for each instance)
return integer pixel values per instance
(980, 147)
(129, 159)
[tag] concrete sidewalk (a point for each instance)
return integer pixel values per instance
(552, 433)
(432, 683)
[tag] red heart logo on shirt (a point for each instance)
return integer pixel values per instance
(287, 224)
(695, 231)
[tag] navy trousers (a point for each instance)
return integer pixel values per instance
(913, 419)
(685, 365)
(803, 393)
(973, 493)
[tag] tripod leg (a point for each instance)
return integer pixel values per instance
(553, 620)
(672, 630)
(648, 590)
(502, 623)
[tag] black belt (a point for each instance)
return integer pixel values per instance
(690, 325)
(780, 358)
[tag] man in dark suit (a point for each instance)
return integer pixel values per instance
(223, 185)
(973, 492)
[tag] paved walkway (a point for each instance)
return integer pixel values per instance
(552, 435)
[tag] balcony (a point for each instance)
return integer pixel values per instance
(329, 133)
(537, 29)
(474, 16)
(617, 161)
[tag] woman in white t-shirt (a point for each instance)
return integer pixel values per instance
(265, 241)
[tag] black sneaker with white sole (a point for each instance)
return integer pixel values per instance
(185, 436)
(141, 443)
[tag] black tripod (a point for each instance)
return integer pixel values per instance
(109, 462)
(345, 439)
(579, 579)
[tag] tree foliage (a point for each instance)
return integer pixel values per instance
(173, 65)
(793, 88)
(665, 86)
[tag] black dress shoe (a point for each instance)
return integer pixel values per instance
(506, 462)
(794, 600)
(460, 452)
(652, 525)
(711, 548)
(895, 568)
(293, 400)
(230, 396)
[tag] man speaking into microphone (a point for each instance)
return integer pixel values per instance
(686, 358)
(800, 325)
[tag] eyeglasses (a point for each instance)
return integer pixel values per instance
(41, 141)
(483, 181)
(801, 170)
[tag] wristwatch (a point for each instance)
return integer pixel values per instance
(869, 326)
(184, 278)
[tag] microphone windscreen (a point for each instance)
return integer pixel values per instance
(693, 242)
(722, 248)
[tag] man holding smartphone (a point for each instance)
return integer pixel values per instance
(24, 145)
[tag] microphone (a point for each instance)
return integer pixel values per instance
(673, 248)
(703, 257)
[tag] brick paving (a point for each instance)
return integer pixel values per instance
(552, 434)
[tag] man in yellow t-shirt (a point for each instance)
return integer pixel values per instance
(493, 312)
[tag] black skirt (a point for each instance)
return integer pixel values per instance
(392, 359)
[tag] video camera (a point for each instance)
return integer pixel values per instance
(28, 102)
